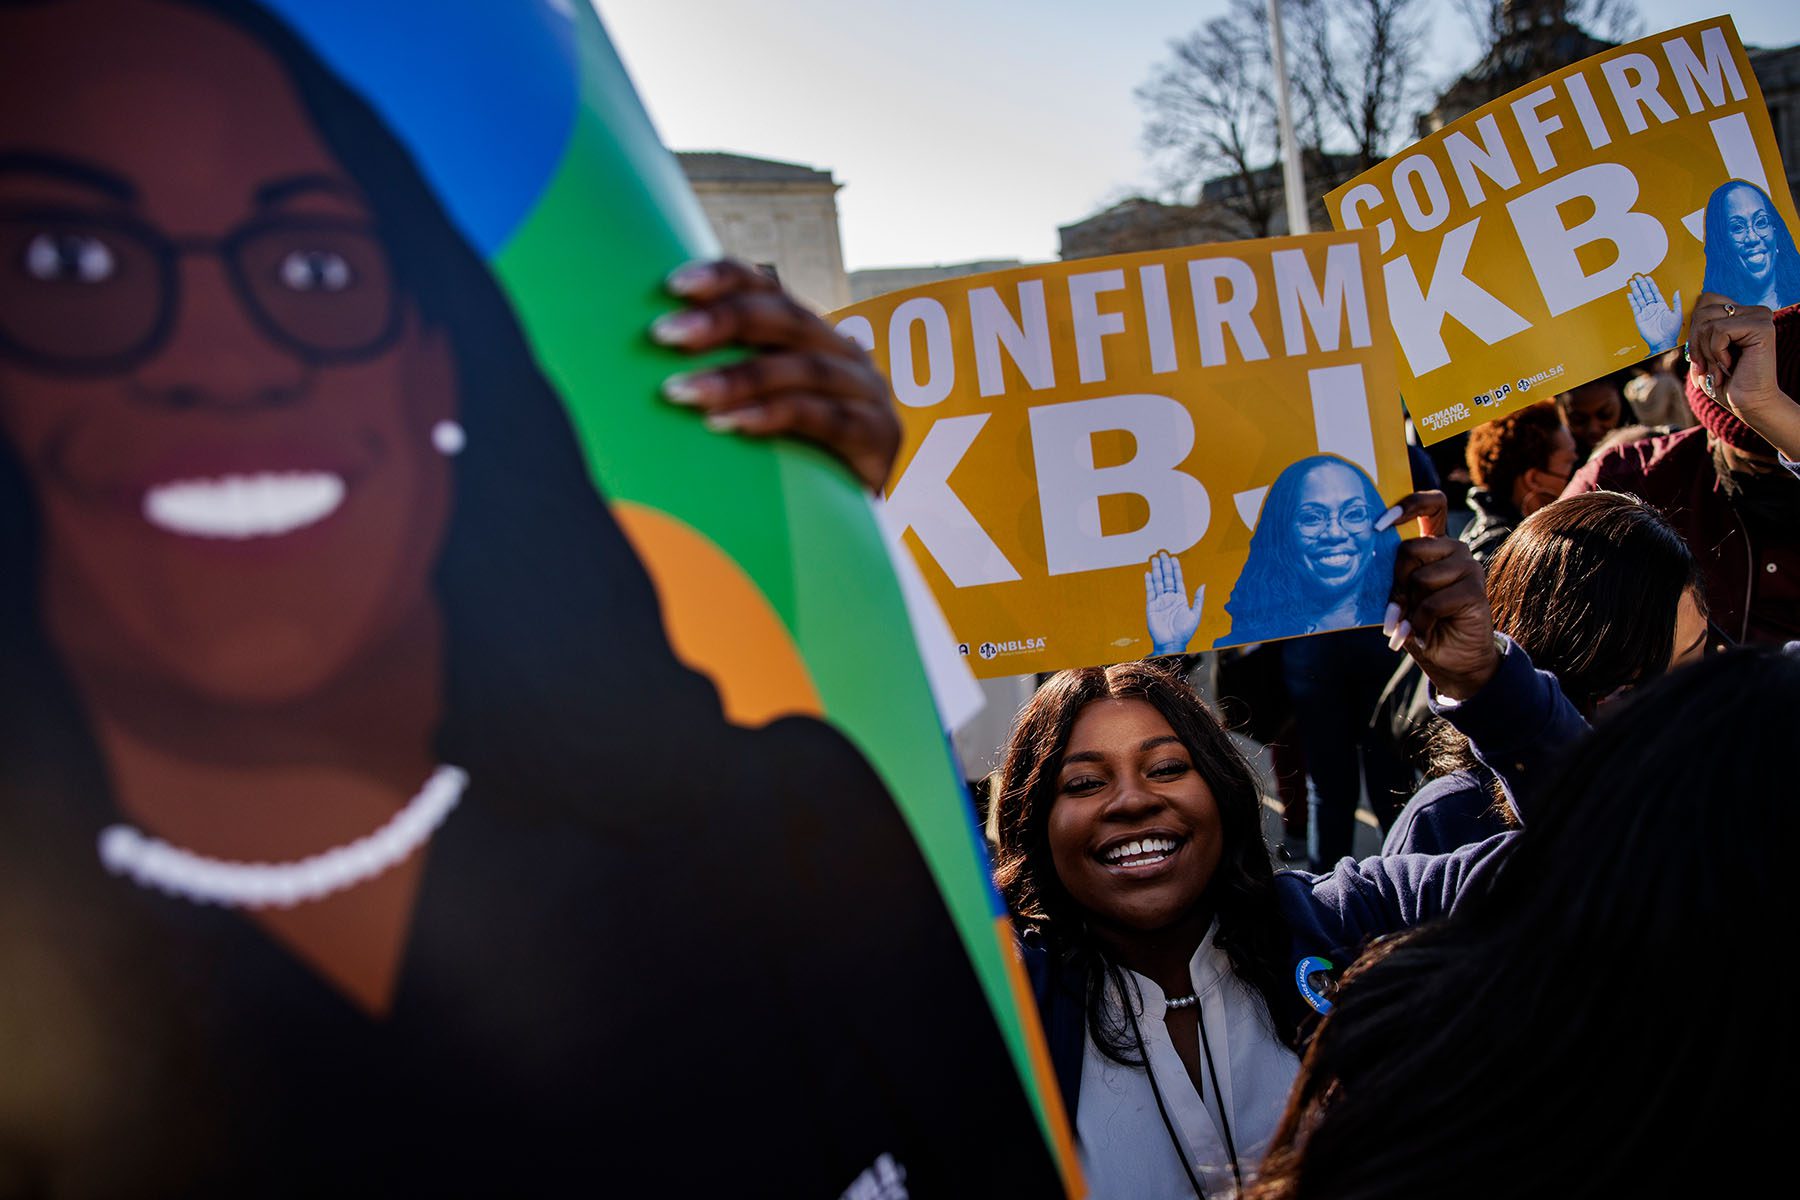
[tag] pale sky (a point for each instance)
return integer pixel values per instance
(960, 129)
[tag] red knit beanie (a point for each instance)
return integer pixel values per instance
(1719, 420)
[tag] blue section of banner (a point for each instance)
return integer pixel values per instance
(483, 92)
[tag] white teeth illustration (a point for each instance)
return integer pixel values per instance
(240, 507)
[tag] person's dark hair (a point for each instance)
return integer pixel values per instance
(541, 594)
(1589, 586)
(1501, 451)
(1272, 591)
(1725, 275)
(1605, 1018)
(1241, 892)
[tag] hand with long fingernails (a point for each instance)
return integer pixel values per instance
(1439, 610)
(802, 379)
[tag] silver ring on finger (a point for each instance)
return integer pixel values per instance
(1731, 310)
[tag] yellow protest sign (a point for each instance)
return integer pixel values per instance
(1089, 446)
(1565, 230)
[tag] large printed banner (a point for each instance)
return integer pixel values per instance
(1146, 454)
(1566, 229)
(431, 763)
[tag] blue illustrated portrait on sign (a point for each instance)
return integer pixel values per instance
(1750, 259)
(1750, 254)
(1316, 561)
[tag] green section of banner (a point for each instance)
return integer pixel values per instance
(889, 715)
(756, 501)
(600, 353)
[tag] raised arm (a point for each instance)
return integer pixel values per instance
(1516, 717)
(1732, 352)
(1519, 724)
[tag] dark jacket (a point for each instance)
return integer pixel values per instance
(1752, 576)
(1495, 519)
(667, 992)
(1452, 810)
(1518, 725)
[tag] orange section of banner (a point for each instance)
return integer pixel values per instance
(1042, 1071)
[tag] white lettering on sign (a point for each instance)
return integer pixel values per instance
(1160, 327)
(1638, 241)
(1713, 77)
(1470, 160)
(1341, 425)
(1214, 313)
(859, 330)
(1416, 171)
(940, 357)
(1536, 130)
(1070, 485)
(1350, 212)
(1324, 306)
(1592, 123)
(1741, 160)
(1632, 78)
(1418, 316)
(1027, 340)
(923, 501)
(1091, 325)
(1340, 402)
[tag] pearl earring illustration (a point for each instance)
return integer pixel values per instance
(449, 438)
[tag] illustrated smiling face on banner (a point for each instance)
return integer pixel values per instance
(221, 377)
(1565, 230)
(378, 797)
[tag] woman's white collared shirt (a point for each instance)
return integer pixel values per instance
(1126, 1147)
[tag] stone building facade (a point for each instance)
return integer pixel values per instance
(1140, 223)
(879, 281)
(1778, 74)
(778, 215)
(1143, 224)
(1536, 37)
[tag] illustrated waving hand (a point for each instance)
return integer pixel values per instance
(1172, 621)
(1440, 607)
(1658, 322)
(806, 381)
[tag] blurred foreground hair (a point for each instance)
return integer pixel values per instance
(1605, 1019)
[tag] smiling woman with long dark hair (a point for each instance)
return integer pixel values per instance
(359, 830)
(1172, 966)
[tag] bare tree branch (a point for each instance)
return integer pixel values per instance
(1360, 59)
(1211, 113)
(1210, 107)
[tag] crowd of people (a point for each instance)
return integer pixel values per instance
(1507, 999)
